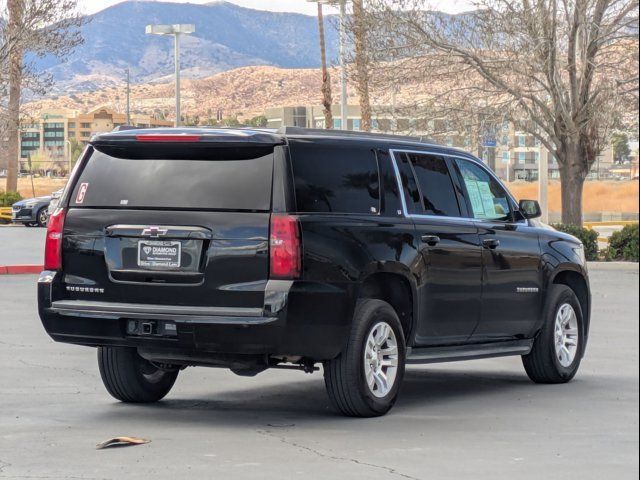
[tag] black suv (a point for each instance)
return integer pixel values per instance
(249, 250)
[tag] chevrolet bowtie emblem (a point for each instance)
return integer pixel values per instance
(154, 232)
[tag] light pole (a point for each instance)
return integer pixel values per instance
(342, 4)
(175, 30)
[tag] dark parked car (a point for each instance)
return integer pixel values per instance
(32, 212)
(250, 250)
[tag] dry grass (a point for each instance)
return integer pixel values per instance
(42, 186)
(598, 196)
(611, 197)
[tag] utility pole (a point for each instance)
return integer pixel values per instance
(176, 45)
(343, 64)
(128, 98)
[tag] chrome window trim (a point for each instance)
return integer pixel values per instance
(469, 158)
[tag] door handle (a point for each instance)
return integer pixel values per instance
(491, 243)
(431, 240)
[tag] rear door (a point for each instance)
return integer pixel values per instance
(451, 283)
(165, 226)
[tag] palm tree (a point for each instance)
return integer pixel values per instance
(327, 100)
(362, 70)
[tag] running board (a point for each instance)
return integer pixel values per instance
(468, 352)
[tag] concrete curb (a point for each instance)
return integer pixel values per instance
(20, 269)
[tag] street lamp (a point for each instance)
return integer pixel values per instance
(175, 30)
(343, 56)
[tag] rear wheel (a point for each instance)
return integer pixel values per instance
(130, 378)
(364, 380)
(557, 352)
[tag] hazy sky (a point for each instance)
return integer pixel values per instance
(300, 6)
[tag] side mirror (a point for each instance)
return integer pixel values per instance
(530, 208)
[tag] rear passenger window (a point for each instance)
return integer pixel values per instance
(436, 187)
(411, 191)
(335, 179)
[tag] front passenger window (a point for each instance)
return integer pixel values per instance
(489, 201)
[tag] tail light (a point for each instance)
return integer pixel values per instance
(285, 257)
(53, 243)
(168, 138)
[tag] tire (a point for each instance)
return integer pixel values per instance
(545, 364)
(43, 217)
(130, 378)
(345, 377)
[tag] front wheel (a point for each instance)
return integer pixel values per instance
(130, 378)
(557, 351)
(364, 380)
(43, 217)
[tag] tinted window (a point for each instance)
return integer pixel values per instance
(411, 192)
(436, 187)
(223, 184)
(487, 197)
(335, 179)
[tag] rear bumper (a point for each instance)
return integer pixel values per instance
(299, 319)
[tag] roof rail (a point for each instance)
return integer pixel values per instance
(351, 134)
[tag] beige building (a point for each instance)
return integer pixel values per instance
(51, 132)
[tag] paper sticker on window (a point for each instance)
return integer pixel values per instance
(475, 198)
(82, 192)
(487, 199)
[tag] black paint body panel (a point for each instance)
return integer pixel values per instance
(461, 293)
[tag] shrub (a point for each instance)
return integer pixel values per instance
(588, 237)
(9, 198)
(623, 245)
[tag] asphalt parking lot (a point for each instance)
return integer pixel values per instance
(21, 245)
(478, 420)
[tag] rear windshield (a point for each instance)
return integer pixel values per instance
(336, 179)
(214, 183)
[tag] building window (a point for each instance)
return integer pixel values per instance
(505, 158)
(374, 125)
(85, 125)
(522, 141)
(536, 156)
(337, 123)
(85, 134)
(356, 124)
(522, 158)
(53, 134)
(71, 125)
(505, 126)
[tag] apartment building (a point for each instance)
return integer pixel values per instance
(50, 133)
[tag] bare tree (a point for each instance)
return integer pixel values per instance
(327, 100)
(558, 69)
(38, 27)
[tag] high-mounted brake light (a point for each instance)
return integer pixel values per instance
(53, 243)
(168, 138)
(285, 256)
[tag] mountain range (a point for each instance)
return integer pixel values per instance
(227, 37)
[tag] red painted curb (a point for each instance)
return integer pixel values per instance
(20, 269)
